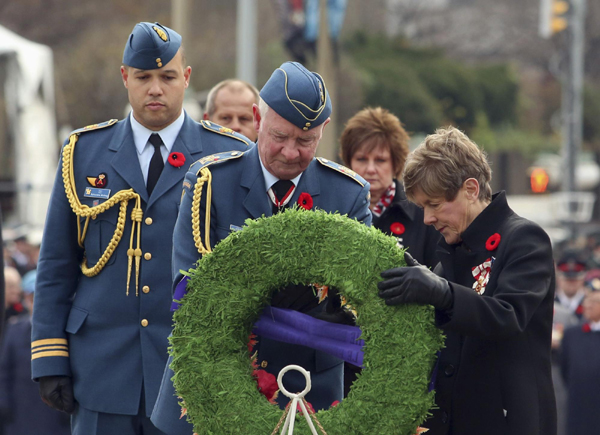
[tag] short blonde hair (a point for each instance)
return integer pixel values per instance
(379, 128)
(441, 164)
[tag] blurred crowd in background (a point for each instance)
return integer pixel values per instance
(22, 411)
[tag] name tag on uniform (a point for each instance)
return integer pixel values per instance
(94, 192)
(234, 228)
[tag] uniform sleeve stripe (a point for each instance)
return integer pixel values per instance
(46, 348)
(49, 341)
(50, 353)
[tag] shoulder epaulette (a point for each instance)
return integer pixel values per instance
(216, 128)
(214, 158)
(343, 170)
(95, 126)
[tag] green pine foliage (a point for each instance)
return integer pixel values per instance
(228, 290)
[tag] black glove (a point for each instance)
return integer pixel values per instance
(415, 284)
(57, 393)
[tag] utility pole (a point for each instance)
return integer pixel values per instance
(179, 17)
(568, 16)
(246, 41)
(572, 93)
(572, 109)
(327, 67)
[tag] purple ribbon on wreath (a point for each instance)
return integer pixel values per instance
(289, 326)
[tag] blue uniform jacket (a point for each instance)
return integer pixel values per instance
(238, 193)
(113, 345)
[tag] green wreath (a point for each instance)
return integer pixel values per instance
(228, 290)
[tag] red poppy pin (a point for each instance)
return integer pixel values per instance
(492, 242)
(579, 310)
(305, 201)
(397, 228)
(176, 159)
(586, 327)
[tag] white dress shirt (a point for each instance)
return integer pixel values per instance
(145, 149)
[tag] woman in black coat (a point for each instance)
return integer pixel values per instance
(375, 145)
(492, 292)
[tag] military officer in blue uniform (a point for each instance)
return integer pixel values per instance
(293, 109)
(103, 295)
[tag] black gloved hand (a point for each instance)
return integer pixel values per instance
(415, 284)
(57, 393)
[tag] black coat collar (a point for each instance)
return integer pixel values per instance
(484, 225)
(400, 202)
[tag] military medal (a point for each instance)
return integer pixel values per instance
(481, 274)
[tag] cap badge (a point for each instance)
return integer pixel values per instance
(321, 92)
(161, 33)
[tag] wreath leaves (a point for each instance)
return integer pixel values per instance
(227, 291)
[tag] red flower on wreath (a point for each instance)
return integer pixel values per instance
(586, 327)
(251, 343)
(267, 384)
(309, 408)
(305, 201)
(176, 159)
(493, 242)
(397, 228)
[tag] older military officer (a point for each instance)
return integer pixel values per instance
(99, 340)
(293, 109)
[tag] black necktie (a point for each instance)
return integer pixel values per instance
(156, 164)
(281, 189)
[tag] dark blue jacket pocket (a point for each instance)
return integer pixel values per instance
(324, 361)
(76, 318)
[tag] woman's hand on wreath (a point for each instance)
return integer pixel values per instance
(415, 284)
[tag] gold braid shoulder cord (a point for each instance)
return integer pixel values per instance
(83, 210)
(206, 177)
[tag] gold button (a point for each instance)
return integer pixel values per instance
(235, 153)
(148, 256)
(305, 128)
(158, 59)
(264, 364)
(308, 124)
(148, 221)
(144, 323)
(146, 289)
